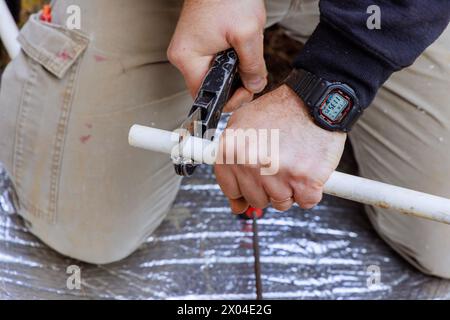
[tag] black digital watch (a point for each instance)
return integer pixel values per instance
(334, 106)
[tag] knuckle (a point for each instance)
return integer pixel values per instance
(298, 173)
(312, 195)
(307, 177)
(321, 173)
(309, 198)
(174, 55)
(282, 208)
(314, 184)
(247, 31)
(316, 198)
(252, 67)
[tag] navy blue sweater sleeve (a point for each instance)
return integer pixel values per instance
(343, 48)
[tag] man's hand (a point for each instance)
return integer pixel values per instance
(207, 27)
(308, 155)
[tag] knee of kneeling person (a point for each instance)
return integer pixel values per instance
(424, 244)
(104, 250)
(430, 251)
(92, 244)
(433, 265)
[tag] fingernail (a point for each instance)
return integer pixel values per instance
(257, 85)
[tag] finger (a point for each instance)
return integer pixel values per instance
(240, 97)
(252, 67)
(281, 194)
(238, 206)
(307, 196)
(227, 181)
(283, 205)
(251, 189)
(230, 187)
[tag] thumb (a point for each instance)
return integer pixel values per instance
(252, 66)
(240, 97)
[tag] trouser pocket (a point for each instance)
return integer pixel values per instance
(49, 62)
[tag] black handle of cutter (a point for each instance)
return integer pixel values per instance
(219, 85)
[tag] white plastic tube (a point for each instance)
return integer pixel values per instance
(8, 31)
(340, 185)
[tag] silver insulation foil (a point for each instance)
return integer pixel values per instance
(202, 251)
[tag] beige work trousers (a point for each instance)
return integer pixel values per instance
(68, 100)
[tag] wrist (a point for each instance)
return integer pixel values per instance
(334, 106)
(291, 98)
(295, 100)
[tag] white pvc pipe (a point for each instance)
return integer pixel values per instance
(340, 185)
(8, 31)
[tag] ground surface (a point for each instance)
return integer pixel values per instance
(202, 251)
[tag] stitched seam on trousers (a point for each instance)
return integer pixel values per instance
(18, 113)
(18, 144)
(58, 145)
(59, 141)
(28, 206)
(19, 138)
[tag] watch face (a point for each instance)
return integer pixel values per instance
(335, 106)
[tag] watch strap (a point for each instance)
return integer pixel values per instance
(306, 85)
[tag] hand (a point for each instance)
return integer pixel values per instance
(207, 27)
(308, 155)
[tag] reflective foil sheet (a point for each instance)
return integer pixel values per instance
(202, 251)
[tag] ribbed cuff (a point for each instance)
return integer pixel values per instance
(333, 56)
